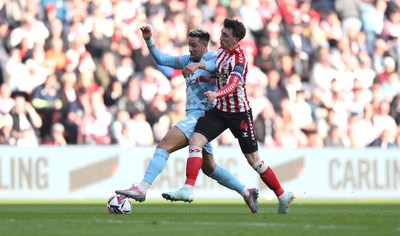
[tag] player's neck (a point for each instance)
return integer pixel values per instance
(230, 48)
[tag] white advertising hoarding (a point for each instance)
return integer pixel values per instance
(94, 172)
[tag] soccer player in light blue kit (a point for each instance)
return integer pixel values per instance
(177, 137)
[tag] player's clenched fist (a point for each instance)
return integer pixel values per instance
(146, 32)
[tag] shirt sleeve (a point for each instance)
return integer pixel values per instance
(164, 59)
(210, 60)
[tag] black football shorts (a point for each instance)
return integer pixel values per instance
(215, 121)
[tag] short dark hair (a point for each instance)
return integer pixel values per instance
(237, 27)
(202, 35)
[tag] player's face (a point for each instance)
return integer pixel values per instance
(227, 40)
(196, 48)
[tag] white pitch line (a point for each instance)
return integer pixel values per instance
(242, 224)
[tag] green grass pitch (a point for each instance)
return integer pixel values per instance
(213, 218)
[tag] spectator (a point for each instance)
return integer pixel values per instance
(106, 70)
(363, 131)
(317, 36)
(391, 87)
(125, 69)
(95, 127)
(332, 27)
(364, 74)
(382, 120)
(7, 137)
(300, 49)
(142, 130)
(389, 68)
(387, 139)
(58, 6)
(263, 113)
(153, 83)
(112, 94)
(372, 18)
(271, 47)
(47, 102)
(56, 55)
(381, 50)
(6, 101)
(208, 9)
(16, 73)
(38, 67)
(120, 132)
(286, 69)
(349, 12)
(275, 90)
(98, 42)
(319, 111)
(5, 44)
(57, 136)
(293, 84)
(322, 71)
(131, 100)
(336, 138)
(72, 110)
(357, 98)
(26, 121)
(301, 113)
(57, 31)
(391, 26)
(287, 134)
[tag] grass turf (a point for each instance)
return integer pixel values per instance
(306, 217)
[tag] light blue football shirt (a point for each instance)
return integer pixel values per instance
(195, 99)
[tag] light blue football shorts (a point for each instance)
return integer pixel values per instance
(187, 125)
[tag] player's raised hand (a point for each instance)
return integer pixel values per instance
(146, 32)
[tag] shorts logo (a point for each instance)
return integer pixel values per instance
(243, 125)
(245, 135)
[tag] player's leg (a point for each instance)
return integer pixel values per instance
(269, 178)
(207, 128)
(241, 125)
(174, 140)
(225, 178)
(193, 165)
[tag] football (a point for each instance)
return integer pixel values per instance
(118, 204)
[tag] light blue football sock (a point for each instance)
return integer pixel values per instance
(225, 178)
(156, 165)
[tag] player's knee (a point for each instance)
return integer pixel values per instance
(197, 140)
(252, 157)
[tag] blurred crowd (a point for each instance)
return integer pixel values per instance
(322, 73)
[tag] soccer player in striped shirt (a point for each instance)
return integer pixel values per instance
(232, 111)
(178, 136)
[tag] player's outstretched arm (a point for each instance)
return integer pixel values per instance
(160, 58)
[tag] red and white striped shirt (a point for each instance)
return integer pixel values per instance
(231, 66)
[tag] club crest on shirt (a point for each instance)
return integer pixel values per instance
(223, 76)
